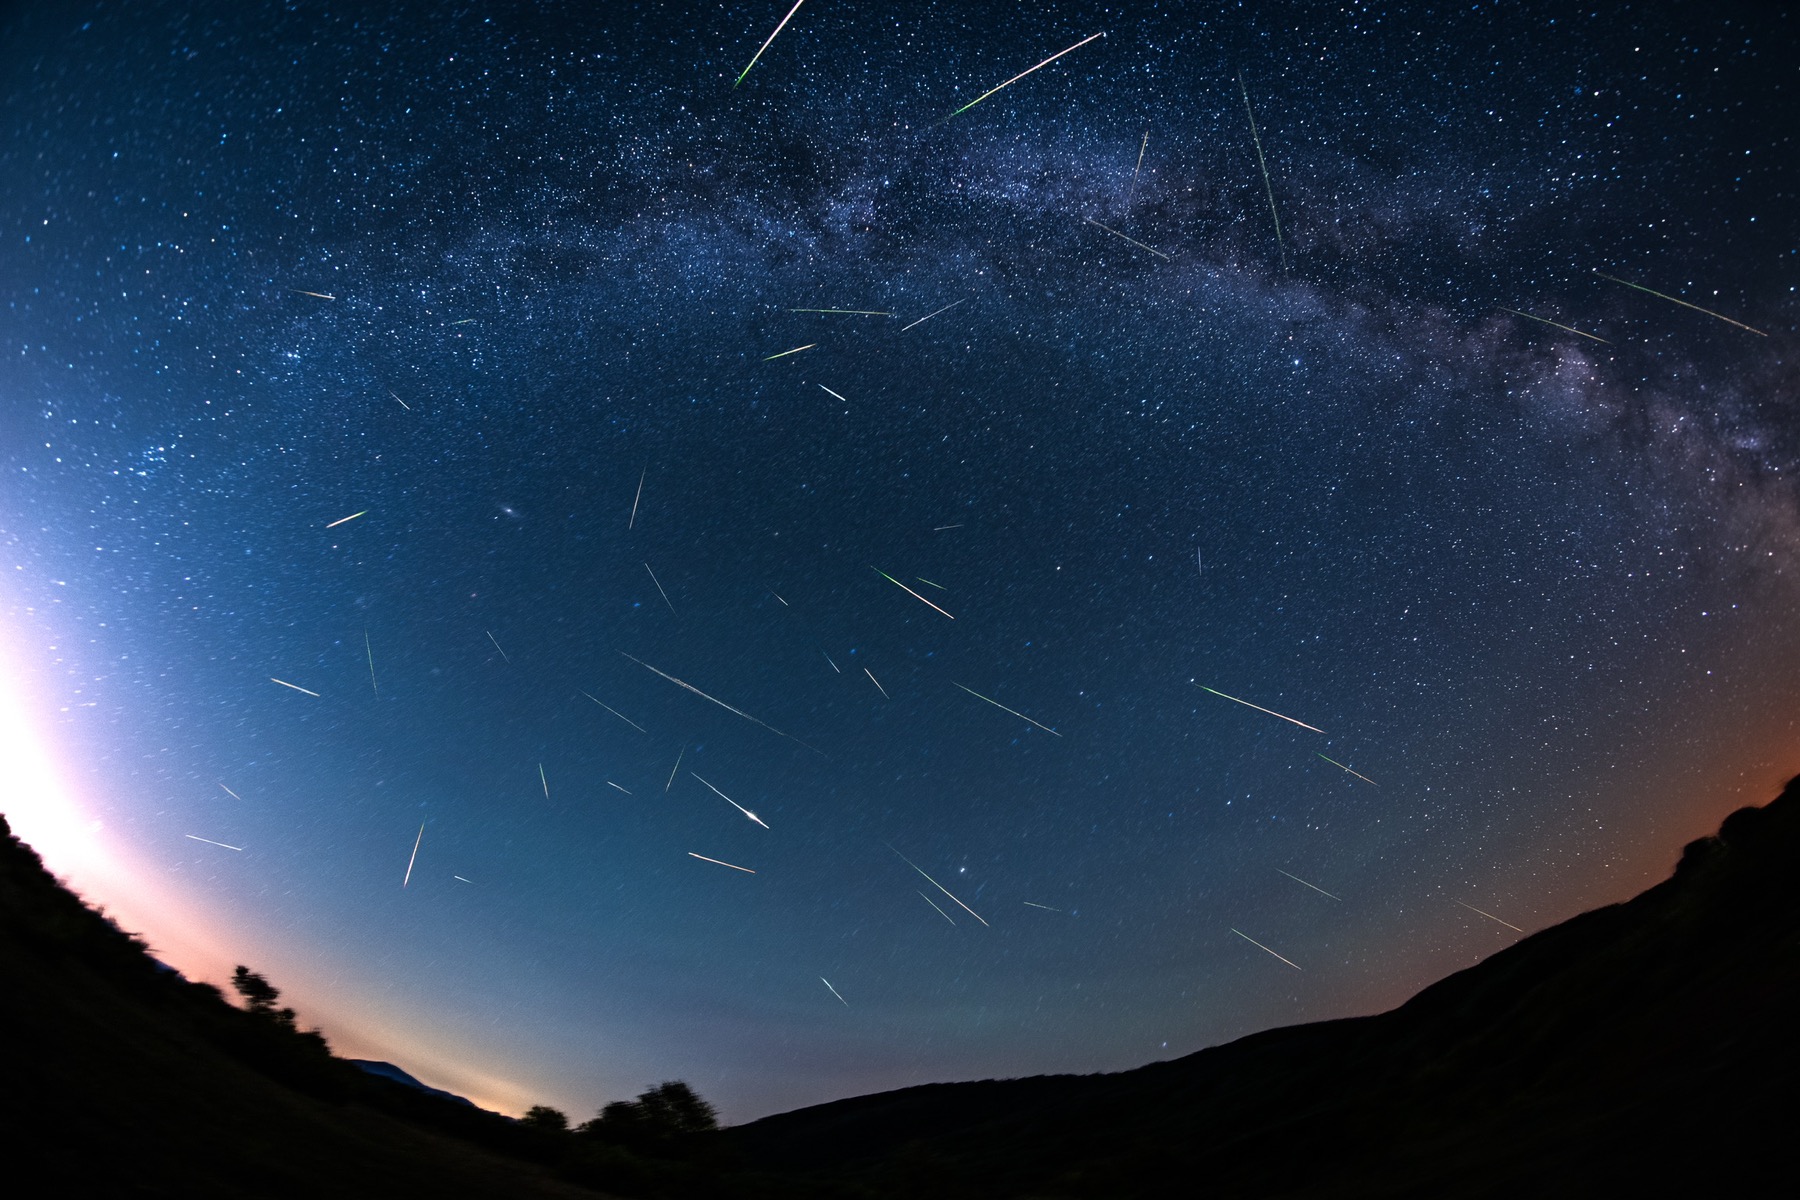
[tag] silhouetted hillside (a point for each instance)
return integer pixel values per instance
(1643, 1048)
(1646, 1048)
(123, 1079)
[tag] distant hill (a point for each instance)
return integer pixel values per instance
(1645, 1048)
(388, 1070)
(121, 1078)
(1648, 1048)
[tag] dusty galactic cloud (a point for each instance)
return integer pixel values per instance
(615, 362)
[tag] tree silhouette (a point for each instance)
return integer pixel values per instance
(542, 1116)
(664, 1120)
(258, 993)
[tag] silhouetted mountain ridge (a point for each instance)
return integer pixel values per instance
(1644, 1042)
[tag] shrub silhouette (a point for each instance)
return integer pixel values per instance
(667, 1121)
(542, 1116)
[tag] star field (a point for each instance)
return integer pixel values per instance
(476, 274)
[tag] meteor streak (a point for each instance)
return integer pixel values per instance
(1045, 907)
(846, 400)
(295, 686)
(1303, 883)
(928, 583)
(1265, 949)
(1557, 324)
(795, 350)
(1267, 186)
(351, 517)
(461, 878)
(721, 862)
(940, 887)
(1022, 74)
(1340, 766)
(941, 528)
(314, 295)
(1490, 916)
(907, 590)
(930, 315)
(626, 790)
(496, 642)
(400, 402)
(834, 666)
(1003, 708)
(1132, 240)
(659, 588)
(231, 793)
(615, 712)
(1672, 300)
(735, 711)
(1257, 707)
(934, 904)
(733, 803)
(370, 651)
(834, 991)
(636, 498)
(414, 858)
(877, 683)
(674, 769)
(210, 842)
(542, 778)
(765, 45)
(1132, 191)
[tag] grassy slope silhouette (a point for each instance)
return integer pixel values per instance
(1648, 1047)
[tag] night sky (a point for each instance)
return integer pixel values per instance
(513, 287)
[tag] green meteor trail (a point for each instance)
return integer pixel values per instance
(765, 45)
(1673, 300)
(1022, 74)
(1003, 708)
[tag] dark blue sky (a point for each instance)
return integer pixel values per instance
(1537, 585)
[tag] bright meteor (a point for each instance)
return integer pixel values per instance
(733, 803)
(1290, 962)
(1673, 300)
(1003, 708)
(1259, 708)
(907, 590)
(1022, 74)
(940, 887)
(284, 683)
(765, 45)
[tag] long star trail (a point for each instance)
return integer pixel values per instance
(907, 590)
(795, 350)
(1022, 74)
(642, 475)
(1263, 166)
(940, 887)
(210, 842)
(1340, 766)
(721, 862)
(415, 857)
(1126, 238)
(765, 45)
(1003, 708)
(1677, 300)
(1132, 191)
(924, 318)
(1557, 324)
(1290, 962)
(1259, 708)
(934, 905)
(660, 592)
(1490, 916)
(615, 712)
(728, 708)
(1303, 883)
